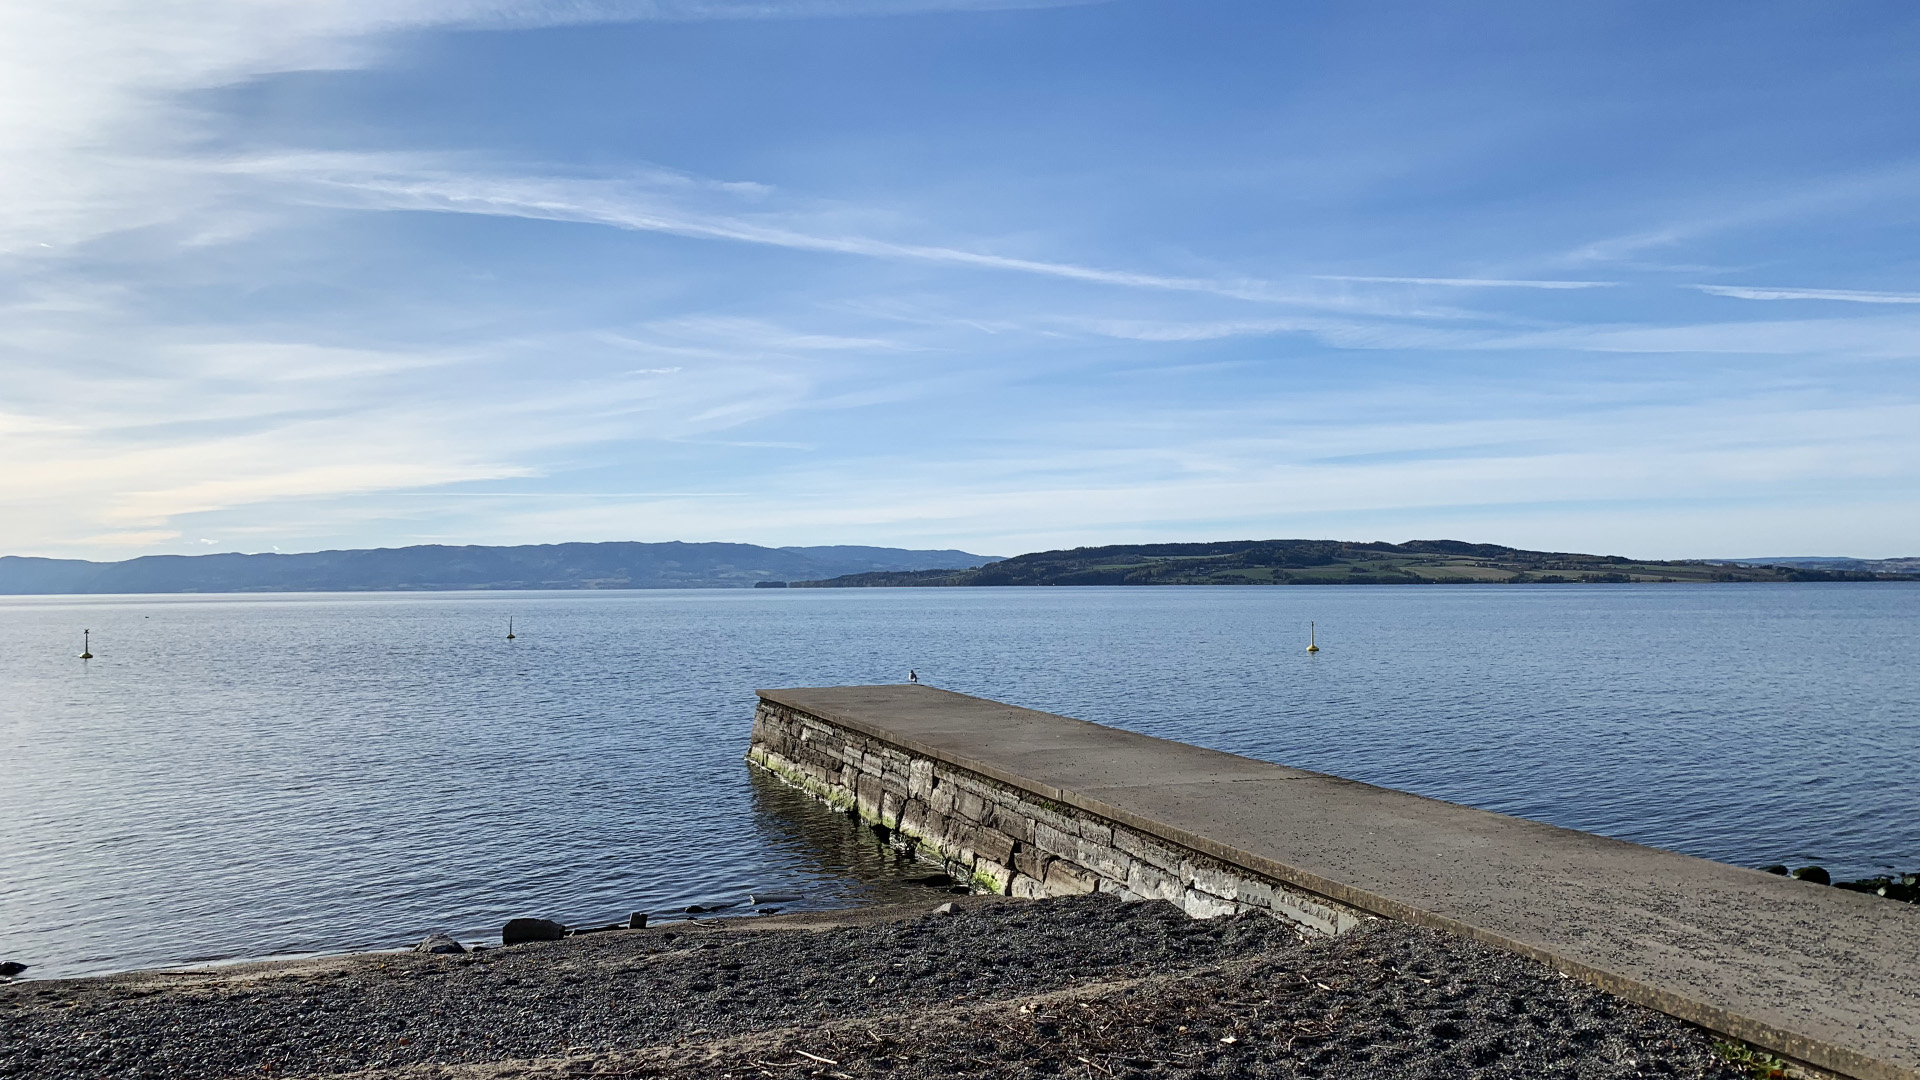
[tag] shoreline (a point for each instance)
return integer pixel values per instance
(1037, 987)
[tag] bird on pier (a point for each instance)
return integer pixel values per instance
(913, 676)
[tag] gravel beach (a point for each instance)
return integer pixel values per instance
(1086, 986)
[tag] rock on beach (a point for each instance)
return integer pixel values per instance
(519, 931)
(439, 944)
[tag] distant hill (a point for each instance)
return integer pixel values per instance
(436, 567)
(1330, 562)
(1910, 565)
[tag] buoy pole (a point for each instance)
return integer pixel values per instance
(86, 644)
(509, 628)
(1311, 645)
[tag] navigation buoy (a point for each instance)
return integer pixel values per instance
(1311, 647)
(86, 644)
(509, 628)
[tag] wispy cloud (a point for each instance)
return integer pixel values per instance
(1875, 338)
(1473, 283)
(736, 334)
(521, 12)
(98, 135)
(184, 429)
(443, 493)
(1852, 296)
(1723, 212)
(1235, 464)
(376, 182)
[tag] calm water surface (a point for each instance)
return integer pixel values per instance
(262, 775)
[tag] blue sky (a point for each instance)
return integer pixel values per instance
(1635, 278)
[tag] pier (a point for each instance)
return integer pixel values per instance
(1028, 803)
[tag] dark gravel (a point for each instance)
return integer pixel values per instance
(1386, 1003)
(1154, 994)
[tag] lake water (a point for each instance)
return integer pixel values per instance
(243, 776)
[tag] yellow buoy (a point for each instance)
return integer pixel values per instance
(1311, 647)
(509, 628)
(86, 644)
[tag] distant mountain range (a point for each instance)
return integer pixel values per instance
(677, 565)
(436, 567)
(1333, 562)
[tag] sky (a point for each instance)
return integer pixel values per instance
(1631, 278)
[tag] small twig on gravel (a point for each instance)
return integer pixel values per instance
(815, 1057)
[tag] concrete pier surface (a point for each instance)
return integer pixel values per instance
(1822, 975)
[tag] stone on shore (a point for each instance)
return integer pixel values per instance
(522, 930)
(1816, 874)
(440, 944)
(1904, 887)
(10, 968)
(637, 921)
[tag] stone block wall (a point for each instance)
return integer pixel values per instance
(1009, 841)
